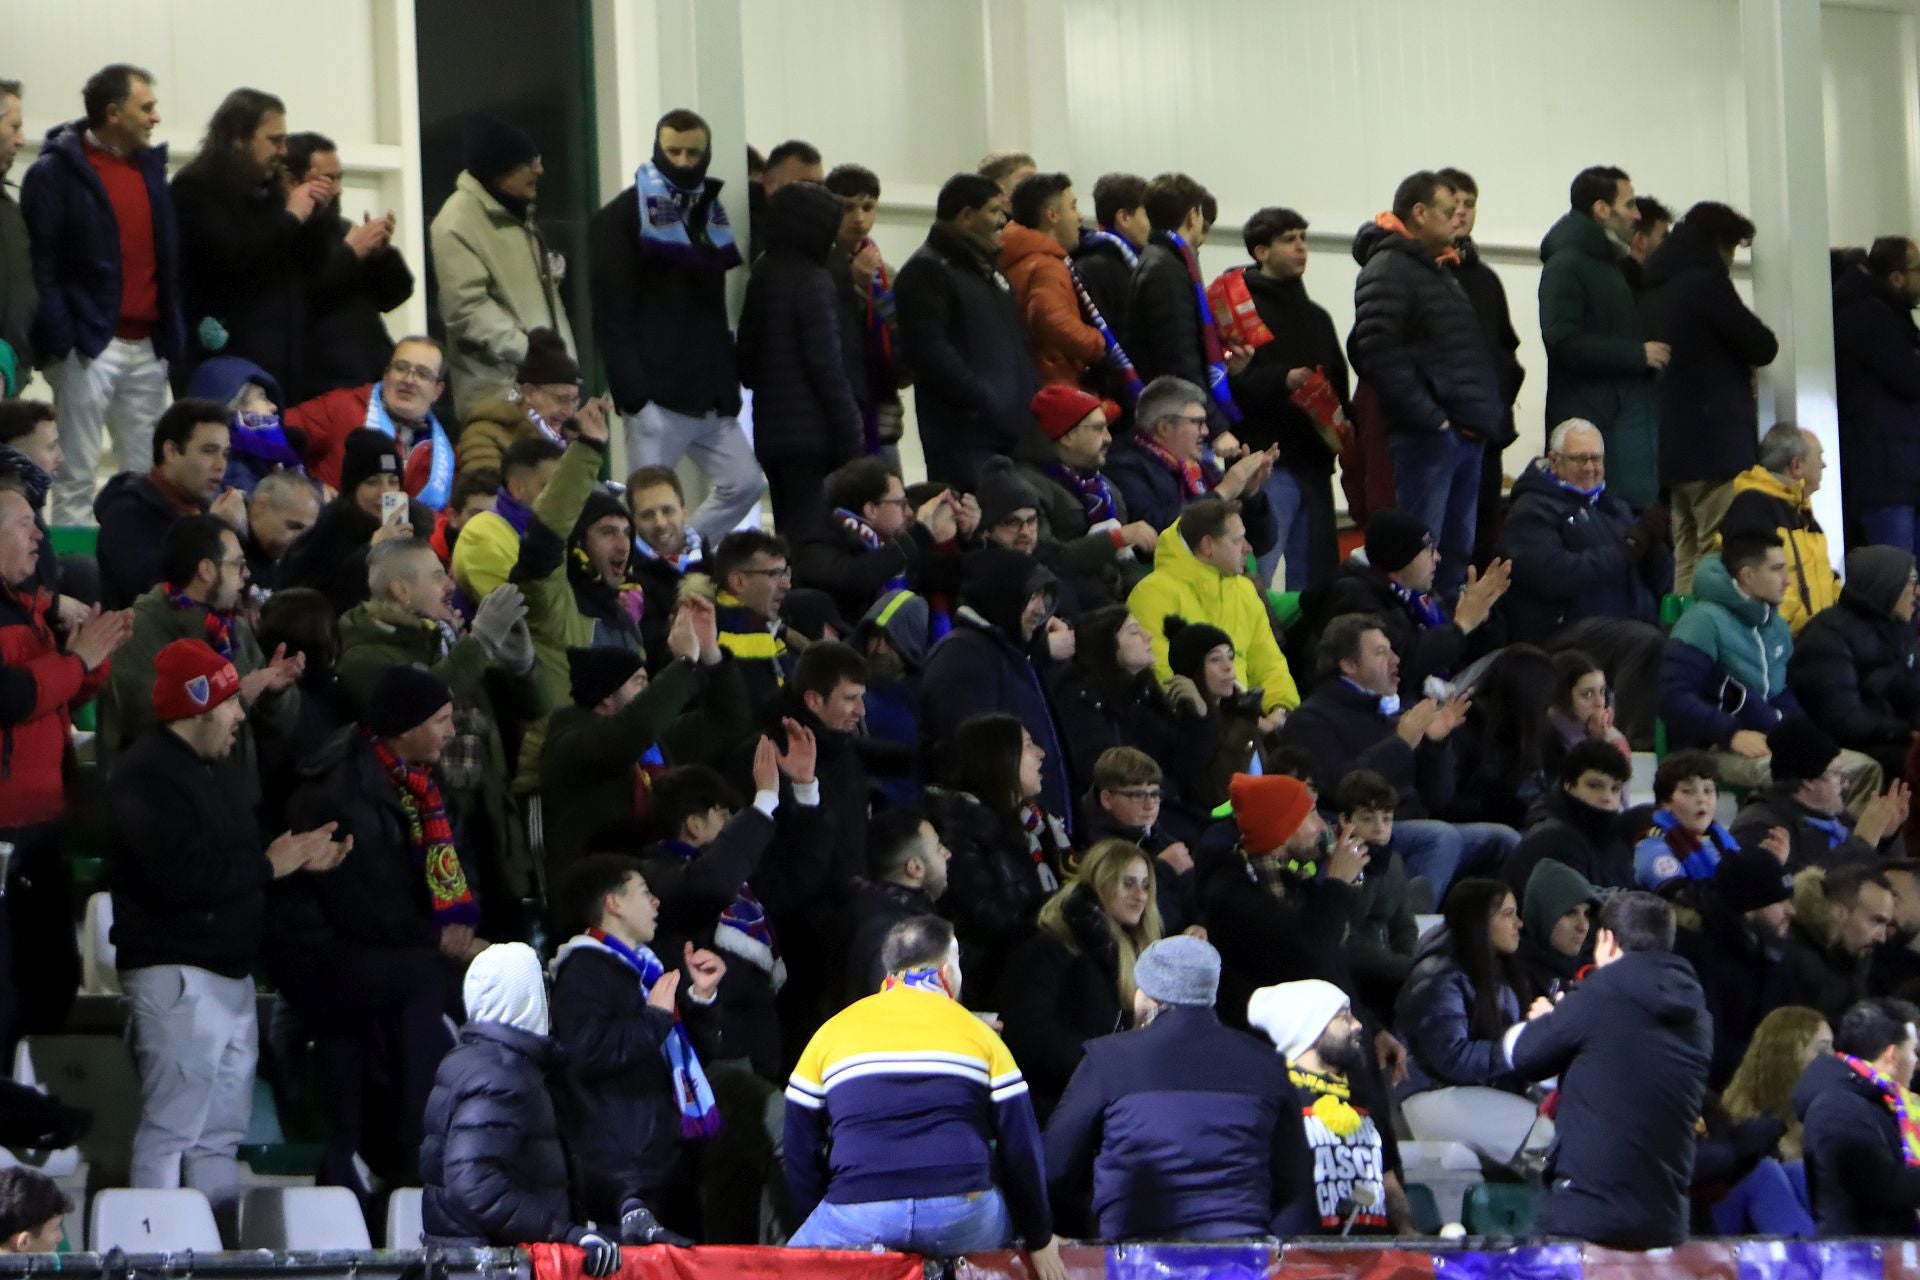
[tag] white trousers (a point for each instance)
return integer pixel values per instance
(123, 390)
(196, 1040)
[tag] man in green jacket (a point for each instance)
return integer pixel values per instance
(204, 575)
(620, 721)
(1599, 364)
(410, 619)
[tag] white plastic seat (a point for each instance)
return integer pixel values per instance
(99, 975)
(148, 1221)
(404, 1223)
(284, 1218)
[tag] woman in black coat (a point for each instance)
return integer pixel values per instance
(805, 417)
(1109, 698)
(1007, 852)
(1501, 749)
(1855, 668)
(1072, 981)
(493, 1167)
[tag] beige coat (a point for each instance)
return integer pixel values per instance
(494, 286)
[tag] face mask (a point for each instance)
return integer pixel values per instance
(685, 178)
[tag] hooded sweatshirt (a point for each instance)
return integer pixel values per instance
(504, 984)
(1552, 890)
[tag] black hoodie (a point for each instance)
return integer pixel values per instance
(1859, 1182)
(1631, 1046)
(803, 403)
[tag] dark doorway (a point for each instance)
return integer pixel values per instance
(532, 66)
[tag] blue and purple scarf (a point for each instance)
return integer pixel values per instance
(699, 1112)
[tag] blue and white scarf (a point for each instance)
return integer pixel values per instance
(1119, 242)
(699, 1111)
(1591, 495)
(919, 980)
(680, 563)
(665, 211)
(1425, 610)
(438, 490)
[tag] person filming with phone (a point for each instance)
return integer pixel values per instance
(370, 508)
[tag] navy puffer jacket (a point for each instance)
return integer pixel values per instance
(1417, 340)
(790, 332)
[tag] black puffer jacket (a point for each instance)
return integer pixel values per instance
(1163, 322)
(494, 1168)
(1053, 998)
(1709, 419)
(1856, 670)
(1570, 558)
(1099, 711)
(1876, 366)
(973, 375)
(1417, 340)
(661, 324)
(803, 403)
(1109, 280)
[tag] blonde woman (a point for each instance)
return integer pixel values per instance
(1072, 979)
(1783, 1044)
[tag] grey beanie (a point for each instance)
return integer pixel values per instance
(1179, 970)
(1877, 575)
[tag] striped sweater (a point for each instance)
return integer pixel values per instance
(904, 1095)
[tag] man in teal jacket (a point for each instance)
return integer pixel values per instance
(1599, 364)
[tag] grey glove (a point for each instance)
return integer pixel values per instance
(602, 1255)
(494, 621)
(516, 651)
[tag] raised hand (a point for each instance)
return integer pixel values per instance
(1453, 714)
(1416, 720)
(705, 968)
(766, 765)
(1481, 593)
(802, 752)
(683, 641)
(99, 635)
(936, 517)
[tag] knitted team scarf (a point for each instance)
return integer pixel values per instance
(1426, 611)
(438, 490)
(431, 837)
(1041, 835)
(1193, 477)
(699, 1112)
(1116, 356)
(1836, 831)
(1119, 242)
(688, 557)
(919, 980)
(219, 626)
(869, 536)
(540, 425)
(744, 929)
(1896, 1099)
(1698, 858)
(667, 217)
(1092, 488)
(880, 376)
(1209, 332)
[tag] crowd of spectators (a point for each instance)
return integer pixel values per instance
(1029, 851)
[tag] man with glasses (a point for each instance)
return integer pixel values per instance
(1775, 495)
(751, 570)
(544, 403)
(874, 542)
(400, 407)
(1161, 467)
(204, 579)
(1586, 572)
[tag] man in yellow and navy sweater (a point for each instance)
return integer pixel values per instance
(893, 1114)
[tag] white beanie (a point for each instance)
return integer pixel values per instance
(504, 984)
(1295, 1014)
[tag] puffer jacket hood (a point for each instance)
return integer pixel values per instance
(1712, 583)
(1758, 479)
(1553, 889)
(1578, 233)
(804, 217)
(1684, 250)
(1373, 238)
(504, 984)
(221, 379)
(996, 584)
(1876, 577)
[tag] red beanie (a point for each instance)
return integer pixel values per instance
(1268, 809)
(1059, 407)
(189, 678)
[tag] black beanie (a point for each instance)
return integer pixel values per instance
(1802, 750)
(597, 673)
(547, 360)
(1002, 492)
(1189, 643)
(495, 148)
(1749, 879)
(404, 697)
(811, 611)
(601, 503)
(1394, 538)
(368, 453)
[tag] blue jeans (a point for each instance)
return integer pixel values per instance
(1770, 1201)
(1436, 480)
(1290, 519)
(1892, 527)
(935, 1227)
(1438, 851)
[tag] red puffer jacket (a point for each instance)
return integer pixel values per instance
(39, 685)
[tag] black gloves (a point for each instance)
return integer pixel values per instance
(639, 1226)
(602, 1255)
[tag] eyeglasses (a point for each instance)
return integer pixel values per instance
(1583, 459)
(408, 370)
(784, 573)
(1191, 419)
(1022, 522)
(1142, 795)
(562, 395)
(893, 500)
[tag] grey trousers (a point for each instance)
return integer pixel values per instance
(658, 437)
(195, 1041)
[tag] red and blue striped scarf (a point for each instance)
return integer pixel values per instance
(431, 837)
(219, 626)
